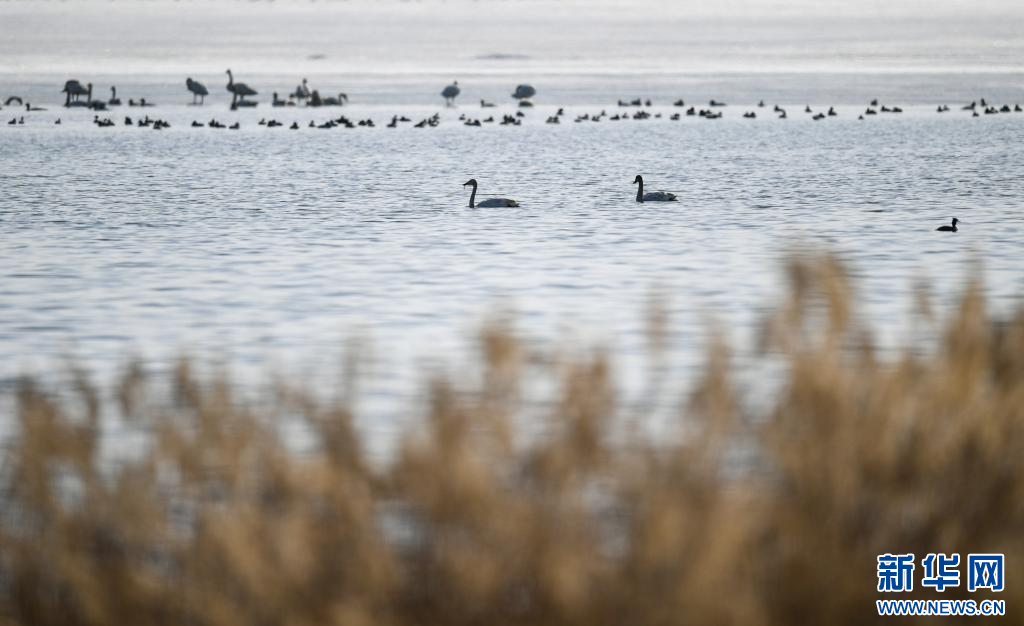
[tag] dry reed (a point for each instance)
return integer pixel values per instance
(767, 517)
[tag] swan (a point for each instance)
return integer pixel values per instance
(450, 92)
(949, 229)
(198, 90)
(654, 196)
(523, 92)
(241, 90)
(490, 202)
(301, 91)
(114, 100)
(341, 100)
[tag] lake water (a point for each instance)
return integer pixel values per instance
(268, 249)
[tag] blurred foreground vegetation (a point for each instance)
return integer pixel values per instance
(766, 516)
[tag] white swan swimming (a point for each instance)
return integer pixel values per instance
(653, 196)
(490, 202)
(450, 92)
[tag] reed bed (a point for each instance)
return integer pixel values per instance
(771, 515)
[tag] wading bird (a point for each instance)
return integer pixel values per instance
(450, 92)
(199, 90)
(239, 91)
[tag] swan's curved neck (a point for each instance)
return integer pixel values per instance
(231, 78)
(640, 190)
(472, 197)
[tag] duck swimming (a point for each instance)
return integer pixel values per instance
(949, 229)
(654, 196)
(490, 202)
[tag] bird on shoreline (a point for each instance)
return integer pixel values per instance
(74, 90)
(490, 202)
(301, 92)
(523, 93)
(653, 196)
(450, 92)
(239, 92)
(198, 90)
(949, 229)
(114, 100)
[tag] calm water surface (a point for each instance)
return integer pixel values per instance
(267, 249)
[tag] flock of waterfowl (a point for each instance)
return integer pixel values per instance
(78, 94)
(303, 96)
(651, 196)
